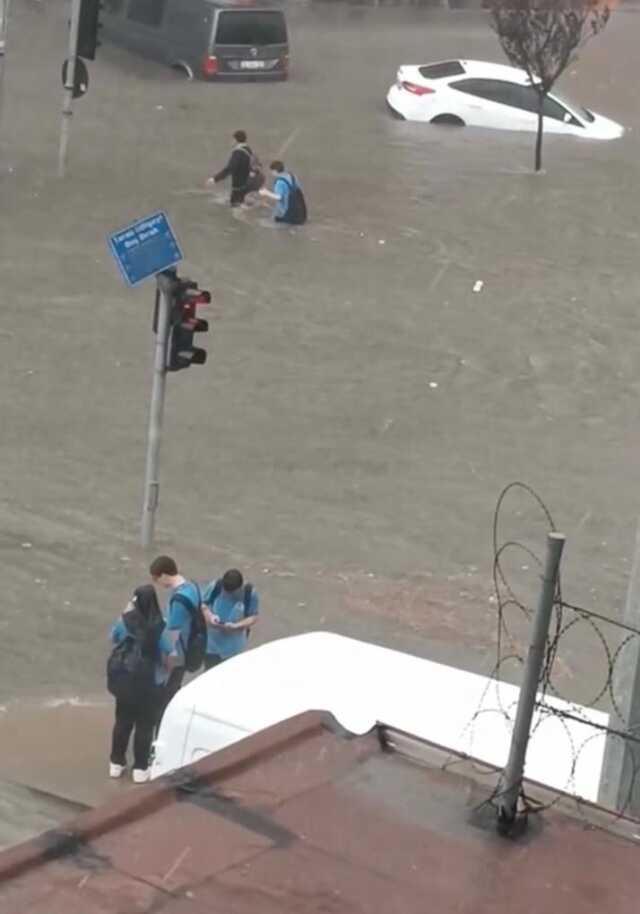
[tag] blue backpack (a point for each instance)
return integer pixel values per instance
(296, 212)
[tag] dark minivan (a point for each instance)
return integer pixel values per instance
(206, 38)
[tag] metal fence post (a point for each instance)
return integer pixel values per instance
(511, 780)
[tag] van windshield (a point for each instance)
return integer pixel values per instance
(252, 27)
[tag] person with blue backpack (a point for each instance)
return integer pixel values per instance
(186, 625)
(290, 204)
(137, 671)
(231, 610)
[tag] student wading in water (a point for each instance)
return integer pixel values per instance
(290, 204)
(243, 168)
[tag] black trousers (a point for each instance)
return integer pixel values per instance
(141, 717)
(237, 195)
(174, 684)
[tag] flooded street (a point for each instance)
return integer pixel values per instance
(361, 407)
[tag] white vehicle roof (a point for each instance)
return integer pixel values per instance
(476, 69)
(482, 69)
(364, 684)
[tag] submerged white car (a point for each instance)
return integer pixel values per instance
(482, 94)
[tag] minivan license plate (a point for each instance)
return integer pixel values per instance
(252, 64)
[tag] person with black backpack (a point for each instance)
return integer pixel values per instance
(287, 194)
(231, 610)
(186, 624)
(137, 670)
(244, 168)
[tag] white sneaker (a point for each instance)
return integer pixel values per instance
(116, 771)
(141, 775)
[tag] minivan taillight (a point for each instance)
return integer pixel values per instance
(210, 65)
(417, 90)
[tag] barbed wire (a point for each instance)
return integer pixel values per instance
(589, 727)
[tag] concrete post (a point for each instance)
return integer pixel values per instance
(619, 786)
(511, 780)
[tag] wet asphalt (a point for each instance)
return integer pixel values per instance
(361, 407)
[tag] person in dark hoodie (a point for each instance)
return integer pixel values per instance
(243, 168)
(136, 674)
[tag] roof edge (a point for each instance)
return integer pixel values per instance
(145, 800)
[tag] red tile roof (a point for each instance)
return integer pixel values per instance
(300, 819)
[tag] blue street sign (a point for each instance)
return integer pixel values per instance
(145, 248)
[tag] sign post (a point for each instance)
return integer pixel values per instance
(143, 249)
(156, 414)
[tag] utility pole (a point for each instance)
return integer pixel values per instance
(511, 780)
(4, 30)
(69, 83)
(620, 779)
(156, 412)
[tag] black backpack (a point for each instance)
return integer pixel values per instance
(256, 177)
(296, 212)
(131, 664)
(196, 646)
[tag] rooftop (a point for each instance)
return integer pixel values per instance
(303, 818)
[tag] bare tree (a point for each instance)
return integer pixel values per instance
(542, 37)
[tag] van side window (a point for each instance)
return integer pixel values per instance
(147, 12)
(186, 20)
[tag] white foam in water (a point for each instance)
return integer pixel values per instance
(74, 701)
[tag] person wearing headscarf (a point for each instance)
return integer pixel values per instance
(136, 674)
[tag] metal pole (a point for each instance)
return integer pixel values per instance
(67, 99)
(511, 781)
(620, 779)
(151, 483)
(4, 34)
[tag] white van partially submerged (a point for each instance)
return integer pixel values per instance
(362, 685)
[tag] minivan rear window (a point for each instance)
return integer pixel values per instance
(440, 70)
(251, 27)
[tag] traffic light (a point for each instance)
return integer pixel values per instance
(88, 27)
(185, 297)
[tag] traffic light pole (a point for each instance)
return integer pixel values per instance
(4, 32)
(67, 101)
(156, 412)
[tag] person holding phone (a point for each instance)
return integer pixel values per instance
(230, 608)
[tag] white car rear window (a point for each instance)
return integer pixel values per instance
(441, 70)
